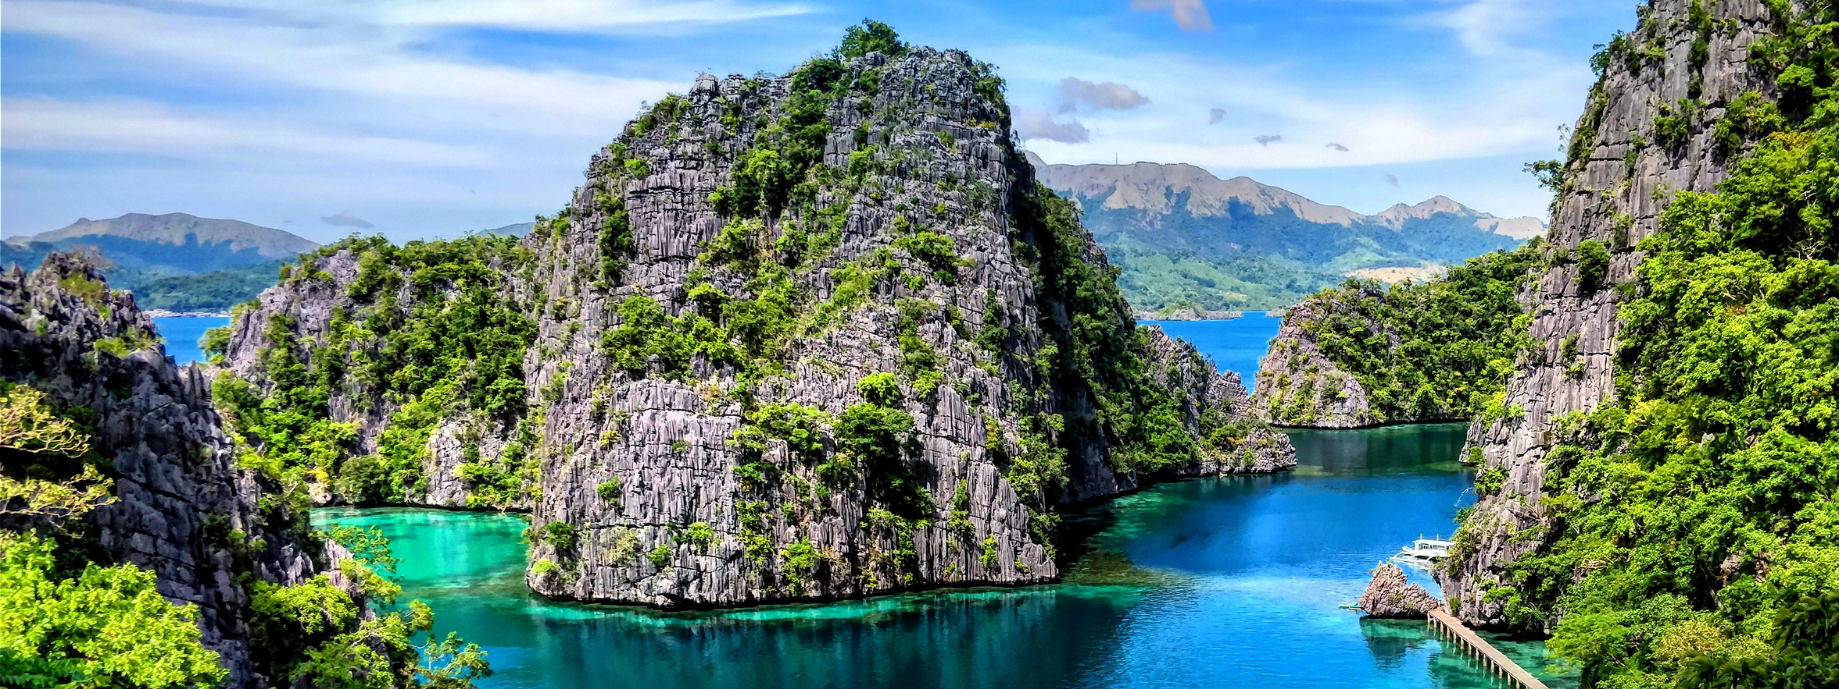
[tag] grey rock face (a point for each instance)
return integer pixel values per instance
(180, 491)
(1303, 387)
(666, 443)
(310, 306)
(1620, 177)
(1392, 596)
(644, 494)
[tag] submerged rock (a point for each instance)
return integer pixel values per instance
(1392, 596)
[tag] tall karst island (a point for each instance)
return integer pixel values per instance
(812, 336)
(1651, 388)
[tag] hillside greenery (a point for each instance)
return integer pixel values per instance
(214, 291)
(1159, 281)
(1247, 261)
(429, 335)
(1437, 349)
(71, 617)
(1694, 538)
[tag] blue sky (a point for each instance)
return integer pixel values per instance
(432, 117)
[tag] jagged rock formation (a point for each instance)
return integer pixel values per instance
(409, 338)
(1392, 596)
(1302, 386)
(1632, 151)
(804, 337)
(183, 502)
(924, 142)
(1213, 402)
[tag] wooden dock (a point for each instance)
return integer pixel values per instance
(1498, 663)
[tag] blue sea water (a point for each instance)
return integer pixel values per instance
(1235, 345)
(1217, 582)
(182, 335)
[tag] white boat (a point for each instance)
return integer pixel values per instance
(1423, 552)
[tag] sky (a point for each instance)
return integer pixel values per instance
(425, 118)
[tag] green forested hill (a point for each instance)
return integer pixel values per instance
(1699, 506)
(173, 261)
(1683, 531)
(1186, 239)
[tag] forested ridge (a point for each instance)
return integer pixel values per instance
(1440, 349)
(1694, 534)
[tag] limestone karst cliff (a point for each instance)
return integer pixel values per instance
(183, 509)
(1302, 386)
(810, 336)
(1365, 354)
(1634, 149)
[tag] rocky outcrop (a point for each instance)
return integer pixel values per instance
(1392, 596)
(1623, 170)
(184, 510)
(804, 337)
(1302, 386)
(1214, 403)
(346, 312)
(689, 521)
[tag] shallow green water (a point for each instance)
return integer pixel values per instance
(1210, 582)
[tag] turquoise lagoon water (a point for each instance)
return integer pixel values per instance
(182, 334)
(1223, 582)
(1235, 345)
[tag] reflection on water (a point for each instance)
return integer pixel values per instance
(1210, 582)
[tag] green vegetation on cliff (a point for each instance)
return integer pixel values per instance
(429, 334)
(1437, 349)
(65, 616)
(1694, 537)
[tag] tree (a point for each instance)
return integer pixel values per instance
(871, 37)
(107, 626)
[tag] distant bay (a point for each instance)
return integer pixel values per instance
(1235, 345)
(182, 334)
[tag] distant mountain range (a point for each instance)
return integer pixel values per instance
(177, 261)
(1188, 240)
(173, 261)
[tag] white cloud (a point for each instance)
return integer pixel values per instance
(1493, 27)
(1033, 124)
(1078, 93)
(310, 107)
(575, 15)
(140, 128)
(572, 16)
(1190, 15)
(359, 61)
(1492, 106)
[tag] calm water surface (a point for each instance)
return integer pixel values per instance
(1235, 345)
(1221, 582)
(182, 336)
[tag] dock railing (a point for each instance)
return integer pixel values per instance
(1498, 663)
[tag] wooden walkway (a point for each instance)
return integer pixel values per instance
(1498, 663)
